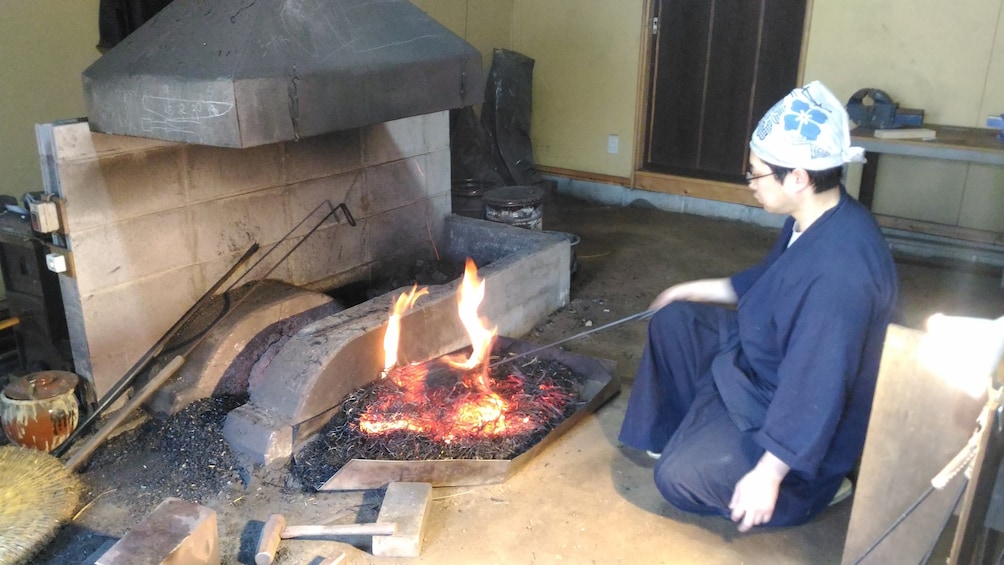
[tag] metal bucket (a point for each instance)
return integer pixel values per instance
(520, 206)
(468, 197)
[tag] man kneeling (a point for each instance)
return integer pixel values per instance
(760, 411)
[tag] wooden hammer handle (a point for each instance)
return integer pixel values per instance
(334, 559)
(374, 529)
(114, 421)
(268, 543)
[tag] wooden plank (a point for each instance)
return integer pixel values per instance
(972, 536)
(406, 505)
(697, 188)
(584, 175)
(976, 145)
(943, 230)
(642, 119)
(919, 421)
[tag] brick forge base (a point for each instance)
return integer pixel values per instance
(526, 278)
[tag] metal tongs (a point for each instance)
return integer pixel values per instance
(639, 316)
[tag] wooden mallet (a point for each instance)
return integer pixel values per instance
(275, 530)
(398, 530)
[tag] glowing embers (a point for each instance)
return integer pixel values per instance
(541, 394)
(454, 396)
(440, 405)
(450, 408)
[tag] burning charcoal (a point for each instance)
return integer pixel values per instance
(538, 394)
(458, 406)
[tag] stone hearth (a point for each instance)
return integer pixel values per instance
(527, 278)
(148, 226)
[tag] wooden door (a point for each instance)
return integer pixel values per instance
(718, 66)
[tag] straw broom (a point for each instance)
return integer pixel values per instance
(38, 492)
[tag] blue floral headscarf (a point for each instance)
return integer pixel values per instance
(808, 129)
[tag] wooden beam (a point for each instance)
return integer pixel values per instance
(943, 230)
(697, 188)
(668, 184)
(646, 59)
(584, 175)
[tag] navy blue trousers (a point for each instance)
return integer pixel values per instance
(675, 409)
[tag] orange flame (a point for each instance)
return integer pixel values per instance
(472, 292)
(392, 338)
(482, 412)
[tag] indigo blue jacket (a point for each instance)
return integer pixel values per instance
(812, 320)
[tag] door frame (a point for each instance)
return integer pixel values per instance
(673, 184)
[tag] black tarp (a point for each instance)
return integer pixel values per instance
(506, 114)
(498, 151)
(472, 150)
(118, 18)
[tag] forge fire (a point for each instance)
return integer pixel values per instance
(454, 396)
(471, 404)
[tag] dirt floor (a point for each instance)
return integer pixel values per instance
(585, 499)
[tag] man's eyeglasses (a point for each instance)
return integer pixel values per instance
(750, 177)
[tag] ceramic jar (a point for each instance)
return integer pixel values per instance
(40, 410)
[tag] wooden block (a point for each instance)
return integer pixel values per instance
(405, 504)
(336, 558)
(177, 532)
(905, 447)
(906, 133)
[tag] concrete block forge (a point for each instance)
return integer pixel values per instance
(152, 224)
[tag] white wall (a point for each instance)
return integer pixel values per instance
(44, 47)
(946, 58)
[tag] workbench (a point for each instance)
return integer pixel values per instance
(952, 143)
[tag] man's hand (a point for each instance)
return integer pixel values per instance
(755, 495)
(706, 290)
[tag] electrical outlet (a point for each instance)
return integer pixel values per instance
(613, 144)
(60, 260)
(44, 217)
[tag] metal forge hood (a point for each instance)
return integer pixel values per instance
(241, 73)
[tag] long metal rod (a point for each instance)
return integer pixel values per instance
(129, 377)
(332, 209)
(894, 525)
(254, 284)
(303, 239)
(116, 419)
(638, 316)
(944, 524)
(178, 360)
